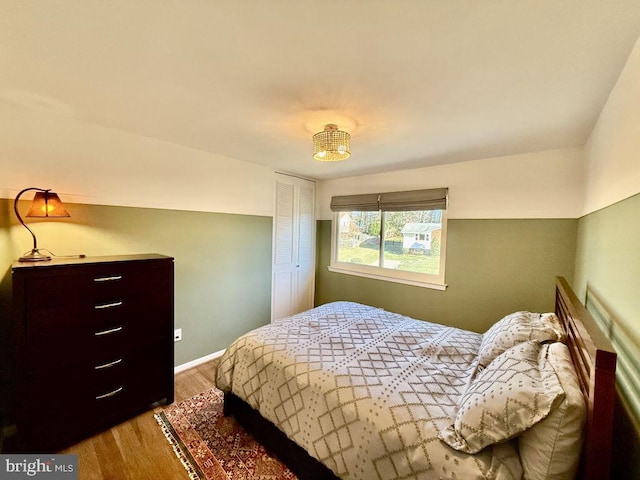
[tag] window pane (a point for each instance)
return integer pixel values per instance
(412, 241)
(359, 238)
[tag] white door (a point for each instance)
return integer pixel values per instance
(293, 246)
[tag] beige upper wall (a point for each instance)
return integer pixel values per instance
(87, 163)
(612, 152)
(534, 185)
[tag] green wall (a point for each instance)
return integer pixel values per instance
(494, 267)
(608, 259)
(222, 262)
(608, 269)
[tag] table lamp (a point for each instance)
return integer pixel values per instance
(45, 204)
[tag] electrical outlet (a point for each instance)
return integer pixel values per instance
(177, 335)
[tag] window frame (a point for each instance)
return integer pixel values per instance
(436, 282)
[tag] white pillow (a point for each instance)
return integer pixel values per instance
(516, 328)
(551, 448)
(512, 394)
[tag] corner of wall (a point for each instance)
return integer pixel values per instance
(612, 170)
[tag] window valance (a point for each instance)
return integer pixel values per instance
(429, 199)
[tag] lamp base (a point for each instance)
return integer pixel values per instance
(34, 256)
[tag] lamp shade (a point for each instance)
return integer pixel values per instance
(47, 204)
(331, 144)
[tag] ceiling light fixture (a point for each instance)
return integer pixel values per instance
(331, 144)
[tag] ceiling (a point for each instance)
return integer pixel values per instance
(415, 82)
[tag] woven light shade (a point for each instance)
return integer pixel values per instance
(331, 145)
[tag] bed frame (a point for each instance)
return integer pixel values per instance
(595, 363)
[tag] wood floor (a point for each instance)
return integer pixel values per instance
(137, 449)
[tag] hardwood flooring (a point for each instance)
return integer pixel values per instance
(137, 449)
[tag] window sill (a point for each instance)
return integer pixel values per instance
(434, 286)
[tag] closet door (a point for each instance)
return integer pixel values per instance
(293, 271)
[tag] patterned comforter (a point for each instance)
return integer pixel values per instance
(364, 391)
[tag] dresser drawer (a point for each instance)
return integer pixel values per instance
(113, 283)
(98, 284)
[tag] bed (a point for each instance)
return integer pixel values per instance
(351, 391)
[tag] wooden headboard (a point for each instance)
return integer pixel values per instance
(595, 363)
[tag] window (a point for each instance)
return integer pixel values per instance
(412, 226)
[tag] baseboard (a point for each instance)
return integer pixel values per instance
(198, 361)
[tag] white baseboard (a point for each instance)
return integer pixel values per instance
(198, 361)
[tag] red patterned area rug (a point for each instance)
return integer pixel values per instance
(214, 447)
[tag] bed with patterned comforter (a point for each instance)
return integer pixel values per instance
(364, 391)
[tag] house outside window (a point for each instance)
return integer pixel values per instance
(412, 226)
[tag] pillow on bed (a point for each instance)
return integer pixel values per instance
(516, 391)
(551, 448)
(516, 328)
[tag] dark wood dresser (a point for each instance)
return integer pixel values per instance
(93, 344)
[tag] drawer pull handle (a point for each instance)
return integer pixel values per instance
(108, 365)
(107, 332)
(109, 394)
(108, 279)
(108, 305)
